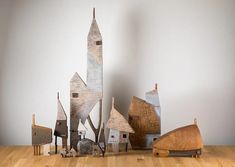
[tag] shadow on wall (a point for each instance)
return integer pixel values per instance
(123, 82)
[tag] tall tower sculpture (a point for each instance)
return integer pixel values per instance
(83, 97)
(95, 59)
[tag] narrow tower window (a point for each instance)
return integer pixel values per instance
(75, 95)
(98, 42)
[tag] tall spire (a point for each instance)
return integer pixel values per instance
(93, 13)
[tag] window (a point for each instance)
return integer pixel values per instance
(75, 95)
(154, 138)
(112, 136)
(98, 42)
(124, 136)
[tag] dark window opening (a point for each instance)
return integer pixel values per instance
(124, 136)
(154, 138)
(98, 42)
(112, 136)
(75, 95)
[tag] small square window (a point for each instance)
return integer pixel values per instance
(98, 42)
(75, 95)
(124, 136)
(112, 136)
(154, 138)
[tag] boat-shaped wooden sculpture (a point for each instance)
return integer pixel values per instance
(184, 141)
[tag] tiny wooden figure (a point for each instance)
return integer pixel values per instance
(40, 136)
(184, 141)
(119, 129)
(61, 128)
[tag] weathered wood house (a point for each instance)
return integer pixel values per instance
(119, 129)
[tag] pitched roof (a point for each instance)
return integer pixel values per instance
(94, 31)
(76, 78)
(154, 91)
(143, 114)
(61, 115)
(118, 122)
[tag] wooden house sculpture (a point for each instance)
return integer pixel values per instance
(184, 141)
(84, 96)
(119, 129)
(61, 128)
(144, 118)
(40, 136)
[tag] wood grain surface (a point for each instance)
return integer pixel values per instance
(17, 156)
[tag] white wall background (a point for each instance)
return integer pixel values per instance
(186, 46)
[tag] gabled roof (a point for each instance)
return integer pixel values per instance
(143, 114)
(118, 122)
(152, 97)
(76, 78)
(153, 92)
(61, 115)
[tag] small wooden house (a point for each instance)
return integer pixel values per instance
(40, 136)
(119, 129)
(145, 119)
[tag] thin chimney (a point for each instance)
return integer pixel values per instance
(93, 13)
(156, 86)
(58, 95)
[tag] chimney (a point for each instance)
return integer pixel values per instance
(156, 86)
(93, 13)
(58, 95)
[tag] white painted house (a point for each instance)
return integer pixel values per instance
(119, 129)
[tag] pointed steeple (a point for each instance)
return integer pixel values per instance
(94, 32)
(94, 58)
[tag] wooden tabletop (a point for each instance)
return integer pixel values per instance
(14, 156)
